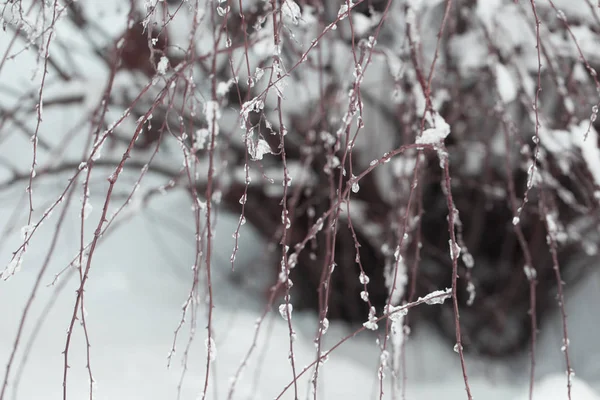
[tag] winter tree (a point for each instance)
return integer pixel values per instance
(383, 166)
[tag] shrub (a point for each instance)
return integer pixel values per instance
(386, 149)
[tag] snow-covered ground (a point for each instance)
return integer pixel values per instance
(133, 303)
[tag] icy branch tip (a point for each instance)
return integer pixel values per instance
(437, 297)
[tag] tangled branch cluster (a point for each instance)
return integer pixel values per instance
(386, 149)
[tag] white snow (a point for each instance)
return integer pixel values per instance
(553, 387)
(162, 66)
(437, 133)
(291, 11)
(140, 274)
(212, 111)
(586, 138)
(506, 85)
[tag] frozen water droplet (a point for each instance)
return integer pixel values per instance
(285, 309)
(363, 278)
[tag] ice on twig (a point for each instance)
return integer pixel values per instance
(437, 133)
(291, 11)
(285, 310)
(437, 297)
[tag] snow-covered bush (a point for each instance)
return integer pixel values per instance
(389, 153)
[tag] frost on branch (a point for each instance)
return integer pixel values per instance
(437, 133)
(211, 349)
(437, 297)
(258, 150)
(212, 112)
(12, 268)
(371, 323)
